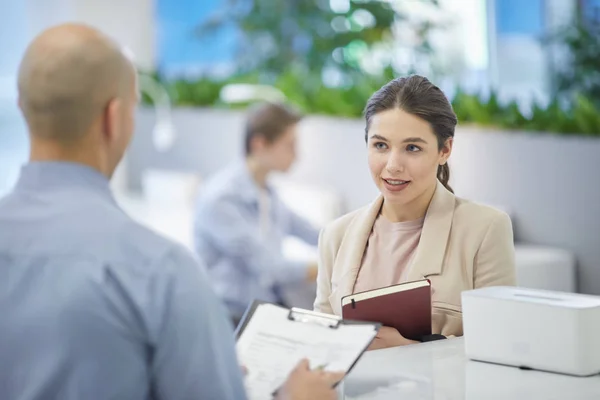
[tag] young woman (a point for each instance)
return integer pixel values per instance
(416, 228)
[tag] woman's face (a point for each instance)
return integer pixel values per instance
(404, 156)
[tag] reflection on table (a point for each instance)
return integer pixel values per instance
(440, 370)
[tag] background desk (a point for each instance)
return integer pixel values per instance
(440, 370)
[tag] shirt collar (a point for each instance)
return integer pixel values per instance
(246, 186)
(40, 175)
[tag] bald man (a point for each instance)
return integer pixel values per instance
(92, 305)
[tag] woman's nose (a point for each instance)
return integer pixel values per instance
(395, 163)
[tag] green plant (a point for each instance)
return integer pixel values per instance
(308, 35)
(579, 71)
(311, 96)
(201, 92)
(579, 118)
(291, 44)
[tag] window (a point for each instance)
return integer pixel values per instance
(590, 10)
(13, 136)
(180, 51)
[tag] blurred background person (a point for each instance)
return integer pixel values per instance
(240, 222)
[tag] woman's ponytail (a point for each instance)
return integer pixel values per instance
(443, 175)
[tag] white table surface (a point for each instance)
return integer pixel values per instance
(439, 370)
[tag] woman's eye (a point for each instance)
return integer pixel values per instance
(380, 146)
(412, 148)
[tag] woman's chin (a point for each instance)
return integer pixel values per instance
(397, 198)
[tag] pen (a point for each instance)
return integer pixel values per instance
(320, 367)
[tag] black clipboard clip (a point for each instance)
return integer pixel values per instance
(307, 316)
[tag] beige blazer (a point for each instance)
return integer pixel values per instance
(463, 245)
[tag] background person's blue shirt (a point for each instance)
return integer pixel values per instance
(242, 263)
(94, 306)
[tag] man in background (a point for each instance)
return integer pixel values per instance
(93, 305)
(240, 222)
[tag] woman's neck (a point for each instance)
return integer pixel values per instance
(411, 211)
(258, 172)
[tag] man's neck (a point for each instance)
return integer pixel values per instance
(45, 150)
(258, 172)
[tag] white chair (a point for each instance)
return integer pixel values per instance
(544, 267)
(165, 204)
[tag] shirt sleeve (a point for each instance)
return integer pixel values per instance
(193, 342)
(229, 231)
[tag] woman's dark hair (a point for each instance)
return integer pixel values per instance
(416, 95)
(269, 120)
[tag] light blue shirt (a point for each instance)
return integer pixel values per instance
(94, 306)
(243, 264)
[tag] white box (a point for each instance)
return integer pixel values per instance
(534, 329)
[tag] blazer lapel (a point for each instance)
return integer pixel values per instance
(430, 252)
(434, 235)
(351, 251)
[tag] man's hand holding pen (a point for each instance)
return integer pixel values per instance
(306, 384)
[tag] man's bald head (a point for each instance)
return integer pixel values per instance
(67, 77)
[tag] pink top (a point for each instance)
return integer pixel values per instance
(389, 253)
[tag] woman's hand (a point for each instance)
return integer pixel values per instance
(389, 337)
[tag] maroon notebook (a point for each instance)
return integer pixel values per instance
(406, 307)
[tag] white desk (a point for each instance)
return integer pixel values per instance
(440, 370)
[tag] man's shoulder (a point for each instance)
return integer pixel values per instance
(113, 233)
(93, 227)
(134, 240)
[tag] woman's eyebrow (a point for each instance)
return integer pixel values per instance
(379, 137)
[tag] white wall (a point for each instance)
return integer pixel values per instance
(550, 182)
(13, 139)
(130, 22)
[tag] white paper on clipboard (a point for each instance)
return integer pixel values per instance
(275, 339)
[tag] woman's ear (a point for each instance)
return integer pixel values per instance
(446, 151)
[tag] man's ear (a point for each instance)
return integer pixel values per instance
(111, 119)
(258, 143)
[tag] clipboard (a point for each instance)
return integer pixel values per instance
(301, 315)
(319, 320)
(246, 317)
